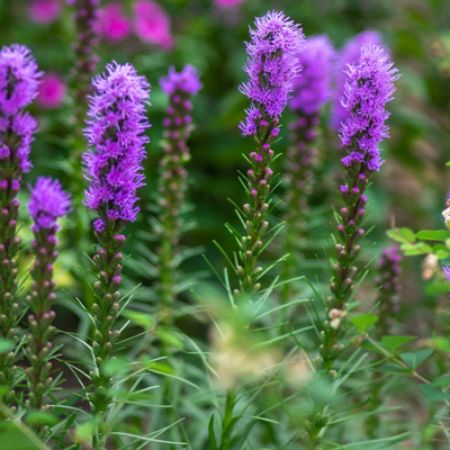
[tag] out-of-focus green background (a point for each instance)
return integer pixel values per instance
(411, 188)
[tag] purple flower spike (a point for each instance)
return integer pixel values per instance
(311, 89)
(369, 87)
(48, 202)
(115, 131)
(271, 67)
(186, 81)
(349, 55)
(19, 79)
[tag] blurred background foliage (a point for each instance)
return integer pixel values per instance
(409, 191)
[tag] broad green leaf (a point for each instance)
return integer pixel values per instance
(364, 322)
(416, 249)
(415, 359)
(433, 235)
(404, 235)
(434, 394)
(392, 343)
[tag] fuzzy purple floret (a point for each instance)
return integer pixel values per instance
(311, 89)
(19, 86)
(369, 87)
(48, 202)
(19, 79)
(271, 68)
(349, 55)
(187, 81)
(116, 134)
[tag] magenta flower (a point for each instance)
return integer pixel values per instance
(186, 81)
(47, 203)
(52, 91)
(349, 55)
(115, 132)
(228, 3)
(152, 24)
(113, 25)
(369, 87)
(311, 89)
(44, 11)
(271, 68)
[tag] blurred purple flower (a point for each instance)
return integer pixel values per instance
(312, 86)
(115, 132)
(51, 91)
(44, 11)
(271, 68)
(113, 25)
(369, 87)
(446, 272)
(48, 202)
(186, 81)
(349, 55)
(228, 3)
(152, 24)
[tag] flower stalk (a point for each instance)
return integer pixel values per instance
(48, 202)
(369, 87)
(19, 83)
(311, 92)
(271, 68)
(113, 166)
(180, 87)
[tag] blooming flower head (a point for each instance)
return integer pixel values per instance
(152, 24)
(115, 132)
(228, 3)
(186, 81)
(48, 202)
(51, 91)
(19, 79)
(312, 86)
(271, 68)
(369, 87)
(44, 11)
(112, 24)
(349, 55)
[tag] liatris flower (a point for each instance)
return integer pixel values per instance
(113, 25)
(369, 87)
(272, 65)
(19, 84)
(113, 166)
(311, 92)
(86, 20)
(180, 86)
(44, 11)
(349, 55)
(48, 202)
(152, 24)
(51, 91)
